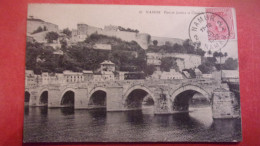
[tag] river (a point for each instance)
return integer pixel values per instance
(42, 124)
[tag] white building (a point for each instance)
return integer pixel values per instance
(102, 46)
(107, 70)
(107, 67)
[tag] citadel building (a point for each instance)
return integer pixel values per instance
(83, 31)
(33, 24)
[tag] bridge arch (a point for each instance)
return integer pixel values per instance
(135, 95)
(43, 100)
(97, 97)
(96, 89)
(68, 98)
(180, 97)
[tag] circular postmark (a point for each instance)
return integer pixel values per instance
(209, 30)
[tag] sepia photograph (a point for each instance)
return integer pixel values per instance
(131, 73)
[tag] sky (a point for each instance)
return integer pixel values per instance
(163, 21)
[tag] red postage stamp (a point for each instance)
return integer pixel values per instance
(226, 14)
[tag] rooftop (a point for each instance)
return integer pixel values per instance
(107, 62)
(87, 72)
(35, 19)
(68, 72)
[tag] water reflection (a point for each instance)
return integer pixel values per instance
(98, 113)
(163, 120)
(226, 128)
(184, 120)
(134, 117)
(68, 125)
(26, 110)
(67, 111)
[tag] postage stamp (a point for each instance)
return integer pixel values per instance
(209, 30)
(226, 14)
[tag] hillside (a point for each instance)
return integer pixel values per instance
(128, 56)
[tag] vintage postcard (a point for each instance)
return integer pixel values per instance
(128, 73)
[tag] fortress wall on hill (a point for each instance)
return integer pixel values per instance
(141, 39)
(92, 29)
(33, 25)
(163, 40)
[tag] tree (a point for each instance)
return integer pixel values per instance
(33, 50)
(63, 43)
(167, 43)
(230, 64)
(190, 49)
(225, 54)
(127, 29)
(67, 32)
(215, 54)
(209, 52)
(221, 54)
(81, 56)
(218, 54)
(168, 63)
(51, 36)
(149, 38)
(39, 29)
(200, 52)
(149, 70)
(204, 68)
(155, 42)
(208, 65)
(177, 48)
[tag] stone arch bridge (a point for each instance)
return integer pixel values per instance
(169, 96)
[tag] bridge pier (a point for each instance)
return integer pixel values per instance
(55, 96)
(115, 101)
(162, 104)
(224, 104)
(81, 98)
(34, 96)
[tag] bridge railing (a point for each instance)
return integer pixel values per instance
(149, 82)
